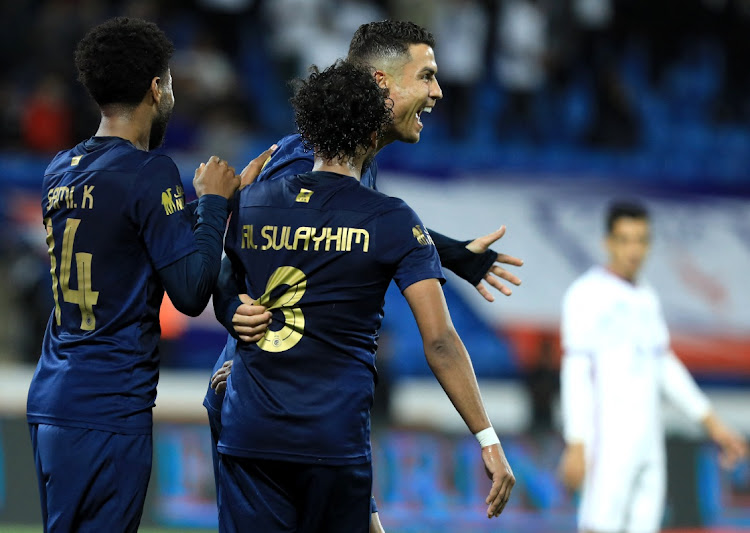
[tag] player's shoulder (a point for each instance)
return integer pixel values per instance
(587, 285)
(109, 154)
(373, 201)
(649, 290)
(290, 157)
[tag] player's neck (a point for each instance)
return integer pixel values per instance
(126, 124)
(350, 167)
(629, 277)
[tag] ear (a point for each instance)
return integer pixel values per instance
(381, 78)
(155, 89)
(374, 139)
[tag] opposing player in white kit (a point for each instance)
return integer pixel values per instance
(616, 364)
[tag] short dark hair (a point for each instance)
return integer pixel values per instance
(117, 59)
(376, 40)
(624, 209)
(338, 109)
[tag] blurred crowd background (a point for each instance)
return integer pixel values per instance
(563, 83)
(636, 90)
(576, 99)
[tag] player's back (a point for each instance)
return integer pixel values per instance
(319, 250)
(110, 212)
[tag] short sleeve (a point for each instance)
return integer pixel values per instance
(405, 243)
(164, 224)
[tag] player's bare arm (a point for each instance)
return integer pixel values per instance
(572, 469)
(450, 362)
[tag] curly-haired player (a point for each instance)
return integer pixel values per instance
(321, 107)
(119, 234)
(318, 251)
(400, 57)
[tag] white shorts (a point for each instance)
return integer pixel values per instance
(623, 494)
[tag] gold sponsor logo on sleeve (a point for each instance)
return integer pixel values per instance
(173, 201)
(422, 236)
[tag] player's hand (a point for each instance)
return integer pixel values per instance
(219, 379)
(499, 471)
(253, 168)
(572, 467)
(250, 321)
(375, 525)
(215, 177)
(496, 272)
(732, 446)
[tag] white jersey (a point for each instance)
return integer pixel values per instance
(616, 331)
(616, 365)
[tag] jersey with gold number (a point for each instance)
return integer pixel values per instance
(319, 250)
(114, 216)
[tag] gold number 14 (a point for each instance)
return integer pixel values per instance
(83, 295)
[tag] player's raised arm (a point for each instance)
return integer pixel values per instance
(190, 280)
(475, 262)
(449, 361)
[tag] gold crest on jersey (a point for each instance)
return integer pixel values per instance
(304, 196)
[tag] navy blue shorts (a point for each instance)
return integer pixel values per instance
(265, 496)
(90, 480)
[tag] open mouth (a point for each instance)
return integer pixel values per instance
(419, 114)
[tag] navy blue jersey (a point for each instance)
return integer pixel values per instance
(114, 216)
(319, 250)
(291, 158)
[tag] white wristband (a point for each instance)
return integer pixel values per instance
(487, 437)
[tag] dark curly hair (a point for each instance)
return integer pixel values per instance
(376, 40)
(338, 109)
(117, 60)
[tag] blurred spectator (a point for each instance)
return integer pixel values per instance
(421, 12)
(593, 25)
(207, 86)
(520, 56)
(46, 119)
(226, 19)
(32, 298)
(733, 105)
(289, 36)
(614, 122)
(543, 385)
(461, 31)
(10, 114)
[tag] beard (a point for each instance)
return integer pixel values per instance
(159, 126)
